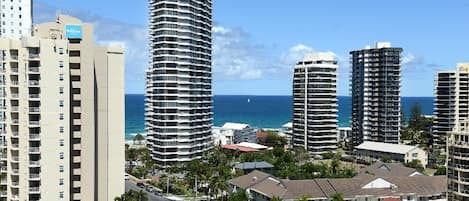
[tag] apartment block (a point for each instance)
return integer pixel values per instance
(458, 162)
(375, 88)
(315, 103)
(178, 104)
(61, 115)
(451, 104)
(15, 18)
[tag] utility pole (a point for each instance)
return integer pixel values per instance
(167, 186)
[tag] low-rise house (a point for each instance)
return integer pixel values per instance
(237, 133)
(380, 169)
(262, 187)
(373, 151)
(246, 147)
(248, 167)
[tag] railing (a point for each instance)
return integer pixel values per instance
(33, 95)
(33, 69)
(33, 189)
(33, 56)
(34, 149)
(14, 70)
(15, 95)
(36, 163)
(15, 133)
(14, 108)
(14, 82)
(15, 171)
(15, 158)
(15, 183)
(34, 109)
(14, 57)
(34, 136)
(34, 176)
(15, 121)
(15, 145)
(33, 83)
(34, 123)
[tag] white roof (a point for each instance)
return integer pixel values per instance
(252, 145)
(386, 147)
(288, 125)
(235, 126)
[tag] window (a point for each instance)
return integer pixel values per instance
(415, 155)
(61, 103)
(61, 142)
(61, 116)
(61, 182)
(61, 155)
(61, 51)
(61, 64)
(61, 129)
(61, 90)
(61, 77)
(61, 194)
(61, 168)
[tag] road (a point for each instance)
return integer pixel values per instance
(151, 197)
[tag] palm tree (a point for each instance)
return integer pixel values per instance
(139, 138)
(276, 198)
(337, 197)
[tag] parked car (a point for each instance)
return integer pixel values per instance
(149, 188)
(158, 192)
(140, 184)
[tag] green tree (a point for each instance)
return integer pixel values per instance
(337, 197)
(274, 140)
(416, 165)
(139, 138)
(239, 195)
(132, 195)
(441, 170)
(276, 198)
(415, 114)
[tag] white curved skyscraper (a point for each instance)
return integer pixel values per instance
(178, 111)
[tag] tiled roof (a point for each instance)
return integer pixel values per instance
(380, 169)
(349, 187)
(239, 148)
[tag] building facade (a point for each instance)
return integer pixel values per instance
(315, 103)
(178, 104)
(373, 151)
(59, 96)
(16, 18)
(458, 162)
(237, 133)
(375, 87)
(451, 102)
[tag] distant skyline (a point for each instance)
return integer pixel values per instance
(256, 43)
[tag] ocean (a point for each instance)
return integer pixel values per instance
(259, 111)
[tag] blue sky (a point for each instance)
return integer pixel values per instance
(256, 42)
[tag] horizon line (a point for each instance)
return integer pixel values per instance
(283, 95)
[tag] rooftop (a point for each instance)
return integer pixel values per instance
(234, 126)
(381, 169)
(253, 165)
(350, 187)
(386, 147)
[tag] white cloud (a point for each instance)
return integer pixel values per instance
(110, 32)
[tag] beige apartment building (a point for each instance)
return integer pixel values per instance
(61, 115)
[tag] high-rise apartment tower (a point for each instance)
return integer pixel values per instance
(375, 87)
(15, 18)
(178, 104)
(61, 115)
(451, 102)
(315, 103)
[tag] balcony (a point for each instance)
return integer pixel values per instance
(34, 190)
(33, 69)
(15, 95)
(33, 83)
(15, 134)
(15, 171)
(34, 123)
(34, 136)
(34, 164)
(14, 108)
(3, 193)
(33, 56)
(14, 82)
(14, 70)
(15, 159)
(15, 145)
(34, 109)
(15, 121)
(33, 96)
(34, 176)
(34, 150)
